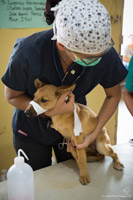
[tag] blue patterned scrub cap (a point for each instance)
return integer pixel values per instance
(82, 26)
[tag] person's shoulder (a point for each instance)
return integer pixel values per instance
(113, 60)
(35, 40)
(39, 36)
(111, 54)
(32, 43)
(113, 51)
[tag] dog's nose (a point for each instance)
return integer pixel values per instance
(30, 113)
(27, 113)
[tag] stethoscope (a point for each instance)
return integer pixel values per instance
(69, 69)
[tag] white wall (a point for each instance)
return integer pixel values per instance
(127, 21)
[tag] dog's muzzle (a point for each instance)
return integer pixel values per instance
(34, 110)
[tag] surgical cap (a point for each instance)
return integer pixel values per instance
(82, 26)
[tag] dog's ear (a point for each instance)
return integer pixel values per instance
(61, 89)
(38, 83)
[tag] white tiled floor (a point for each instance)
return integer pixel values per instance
(125, 124)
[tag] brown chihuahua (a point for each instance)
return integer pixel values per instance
(47, 96)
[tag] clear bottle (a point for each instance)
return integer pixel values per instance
(20, 179)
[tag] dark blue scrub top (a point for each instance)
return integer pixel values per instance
(36, 56)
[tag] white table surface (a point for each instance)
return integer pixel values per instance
(61, 181)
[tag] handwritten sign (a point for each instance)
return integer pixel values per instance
(22, 14)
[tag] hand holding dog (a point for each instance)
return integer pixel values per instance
(62, 105)
(88, 140)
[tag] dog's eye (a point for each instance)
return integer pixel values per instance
(43, 100)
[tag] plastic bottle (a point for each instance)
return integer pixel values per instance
(20, 179)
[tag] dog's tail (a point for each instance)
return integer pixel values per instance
(93, 155)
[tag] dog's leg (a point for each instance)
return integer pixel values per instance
(82, 162)
(104, 147)
(73, 152)
(93, 155)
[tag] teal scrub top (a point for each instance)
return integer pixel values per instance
(129, 78)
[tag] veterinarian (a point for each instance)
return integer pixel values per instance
(78, 49)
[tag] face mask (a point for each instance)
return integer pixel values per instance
(80, 62)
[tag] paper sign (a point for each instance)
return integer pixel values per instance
(22, 14)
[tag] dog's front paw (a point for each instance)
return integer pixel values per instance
(84, 180)
(118, 165)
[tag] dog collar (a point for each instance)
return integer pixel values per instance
(77, 123)
(39, 110)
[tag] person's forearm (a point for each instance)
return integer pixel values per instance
(21, 102)
(128, 98)
(107, 110)
(18, 99)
